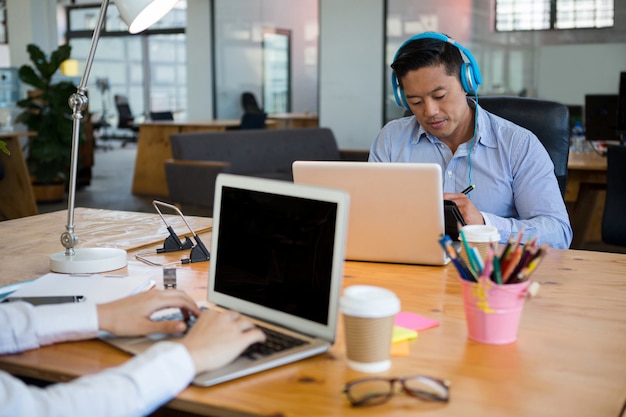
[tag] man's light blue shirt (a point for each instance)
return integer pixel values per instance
(514, 176)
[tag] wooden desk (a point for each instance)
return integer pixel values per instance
(16, 192)
(569, 359)
(27, 243)
(294, 120)
(585, 194)
(153, 149)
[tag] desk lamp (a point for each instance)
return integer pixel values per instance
(138, 15)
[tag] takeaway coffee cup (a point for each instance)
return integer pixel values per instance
(479, 236)
(368, 315)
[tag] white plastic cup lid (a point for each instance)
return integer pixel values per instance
(369, 301)
(481, 233)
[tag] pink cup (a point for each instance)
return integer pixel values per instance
(493, 311)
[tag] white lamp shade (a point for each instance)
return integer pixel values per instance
(141, 14)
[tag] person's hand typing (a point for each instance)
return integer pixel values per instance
(130, 316)
(219, 337)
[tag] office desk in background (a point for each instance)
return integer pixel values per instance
(569, 359)
(294, 120)
(585, 194)
(17, 198)
(153, 149)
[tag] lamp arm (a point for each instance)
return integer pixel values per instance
(78, 103)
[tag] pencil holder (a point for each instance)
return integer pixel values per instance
(493, 311)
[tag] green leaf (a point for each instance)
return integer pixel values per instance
(61, 54)
(40, 61)
(28, 76)
(3, 147)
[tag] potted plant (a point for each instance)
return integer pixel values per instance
(47, 113)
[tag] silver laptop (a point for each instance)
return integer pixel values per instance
(277, 254)
(396, 209)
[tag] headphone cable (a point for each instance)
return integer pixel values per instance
(472, 142)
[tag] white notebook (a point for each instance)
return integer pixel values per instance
(97, 288)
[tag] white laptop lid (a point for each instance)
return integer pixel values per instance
(277, 252)
(396, 209)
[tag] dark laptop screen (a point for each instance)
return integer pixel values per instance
(276, 251)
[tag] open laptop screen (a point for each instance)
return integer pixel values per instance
(276, 251)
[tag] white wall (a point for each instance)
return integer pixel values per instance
(199, 70)
(568, 72)
(30, 21)
(351, 70)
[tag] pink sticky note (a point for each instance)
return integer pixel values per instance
(414, 321)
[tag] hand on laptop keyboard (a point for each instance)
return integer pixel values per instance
(274, 340)
(131, 316)
(179, 316)
(217, 338)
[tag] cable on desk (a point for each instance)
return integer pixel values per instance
(140, 257)
(172, 243)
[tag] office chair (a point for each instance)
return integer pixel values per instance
(161, 115)
(253, 121)
(249, 103)
(614, 216)
(548, 120)
(126, 120)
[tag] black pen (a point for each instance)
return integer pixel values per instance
(468, 189)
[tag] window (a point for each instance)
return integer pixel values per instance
(276, 76)
(148, 68)
(513, 15)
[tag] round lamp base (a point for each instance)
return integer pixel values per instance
(88, 261)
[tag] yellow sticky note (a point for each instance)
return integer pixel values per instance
(401, 348)
(400, 334)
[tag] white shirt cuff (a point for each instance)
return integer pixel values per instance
(66, 322)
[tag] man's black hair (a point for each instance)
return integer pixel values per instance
(427, 52)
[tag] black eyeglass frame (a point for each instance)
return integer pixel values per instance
(382, 397)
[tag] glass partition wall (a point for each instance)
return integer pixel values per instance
(276, 71)
(283, 74)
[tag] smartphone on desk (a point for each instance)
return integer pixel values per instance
(53, 299)
(452, 218)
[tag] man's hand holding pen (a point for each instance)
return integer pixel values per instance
(468, 189)
(468, 210)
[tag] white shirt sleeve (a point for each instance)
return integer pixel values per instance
(135, 388)
(27, 327)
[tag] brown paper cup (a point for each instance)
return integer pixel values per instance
(479, 237)
(368, 317)
(483, 248)
(368, 340)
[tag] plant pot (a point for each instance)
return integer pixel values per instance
(49, 193)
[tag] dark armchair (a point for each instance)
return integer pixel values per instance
(126, 120)
(614, 216)
(548, 120)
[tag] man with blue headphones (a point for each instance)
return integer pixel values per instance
(515, 185)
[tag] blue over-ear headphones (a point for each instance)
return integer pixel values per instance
(470, 73)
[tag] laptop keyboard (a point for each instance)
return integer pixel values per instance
(275, 341)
